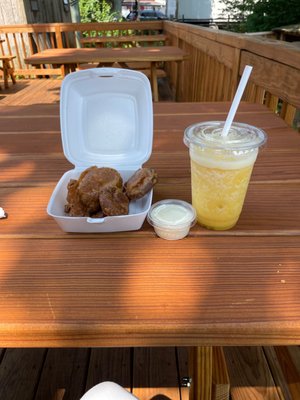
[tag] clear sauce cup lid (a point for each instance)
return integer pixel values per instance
(172, 214)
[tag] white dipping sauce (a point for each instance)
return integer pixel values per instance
(171, 219)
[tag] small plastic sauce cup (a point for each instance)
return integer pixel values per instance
(172, 219)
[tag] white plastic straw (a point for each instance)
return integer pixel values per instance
(237, 99)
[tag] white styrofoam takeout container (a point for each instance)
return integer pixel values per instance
(106, 120)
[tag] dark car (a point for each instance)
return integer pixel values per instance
(146, 15)
(152, 15)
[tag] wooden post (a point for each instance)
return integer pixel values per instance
(220, 378)
(179, 77)
(200, 365)
(154, 81)
(58, 34)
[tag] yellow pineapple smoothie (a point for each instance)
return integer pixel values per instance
(220, 171)
(219, 188)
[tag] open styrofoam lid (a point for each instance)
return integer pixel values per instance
(106, 118)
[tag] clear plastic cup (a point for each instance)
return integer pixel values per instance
(172, 219)
(221, 168)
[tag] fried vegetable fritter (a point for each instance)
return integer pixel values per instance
(141, 182)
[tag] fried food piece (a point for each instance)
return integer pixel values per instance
(74, 206)
(140, 183)
(98, 214)
(99, 192)
(113, 201)
(92, 181)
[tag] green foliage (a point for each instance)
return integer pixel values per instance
(262, 15)
(97, 11)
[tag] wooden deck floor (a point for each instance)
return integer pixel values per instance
(41, 91)
(34, 91)
(256, 373)
(65, 374)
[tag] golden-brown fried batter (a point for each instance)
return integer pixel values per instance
(140, 183)
(113, 201)
(74, 206)
(93, 181)
(99, 192)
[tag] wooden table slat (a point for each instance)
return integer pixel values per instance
(131, 288)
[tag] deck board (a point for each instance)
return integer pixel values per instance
(183, 370)
(46, 91)
(66, 369)
(155, 373)
(289, 368)
(20, 370)
(250, 375)
(110, 365)
(31, 91)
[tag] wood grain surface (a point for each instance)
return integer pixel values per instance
(108, 54)
(134, 289)
(249, 374)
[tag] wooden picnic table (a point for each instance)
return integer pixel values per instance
(71, 57)
(237, 287)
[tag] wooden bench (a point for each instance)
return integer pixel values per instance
(7, 69)
(135, 40)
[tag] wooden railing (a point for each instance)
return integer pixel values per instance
(216, 62)
(25, 40)
(216, 59)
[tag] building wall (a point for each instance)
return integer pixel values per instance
(48, 11)
(33, 11)
(171, 8)
(194, 9)
(12, 12)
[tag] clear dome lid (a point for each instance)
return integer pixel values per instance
(209, 135)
